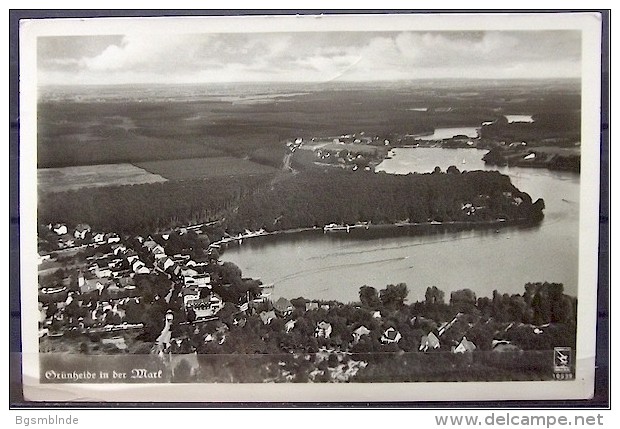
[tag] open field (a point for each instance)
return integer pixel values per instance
(202, 168)
(72, 178)
(563, 151)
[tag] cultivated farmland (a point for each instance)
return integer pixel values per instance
(202, 168)
(72, 178)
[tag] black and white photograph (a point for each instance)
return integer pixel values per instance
(310, 208)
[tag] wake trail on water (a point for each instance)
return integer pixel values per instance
(396, 247)
(336, 267)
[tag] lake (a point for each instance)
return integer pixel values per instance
(334, 265)
(449, 132)
(519, 118)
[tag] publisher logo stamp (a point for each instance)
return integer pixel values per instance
(562, 363)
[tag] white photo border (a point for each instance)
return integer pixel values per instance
(581, 388)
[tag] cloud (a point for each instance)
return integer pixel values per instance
(312, 56)
(146, 52)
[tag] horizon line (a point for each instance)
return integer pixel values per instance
(480, 79)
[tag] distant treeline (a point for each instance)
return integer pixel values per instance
(560, 127)
(516, 157)
(317, 198)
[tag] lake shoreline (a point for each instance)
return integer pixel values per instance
(459, 226)
(333, 265)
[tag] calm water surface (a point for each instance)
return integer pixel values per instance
(519, 118)
(446, 133)
(333, 266)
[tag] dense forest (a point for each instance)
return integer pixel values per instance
(312, 198)
(148, 207)
(517, 157)
(317, 198)
(562, 128)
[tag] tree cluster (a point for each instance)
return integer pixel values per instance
(147, 208)
(319, 198)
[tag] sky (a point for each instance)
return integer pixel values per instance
(307, 57)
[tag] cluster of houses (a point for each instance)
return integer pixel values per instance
(349, 158)
(108, 277)
(458, 327)
(106, 283)
(80, 235)
(448, 336)
(101, 316)
(356, 138)
(343, 151)
(283, 308)
(194, 278)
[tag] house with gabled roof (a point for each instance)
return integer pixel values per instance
(176, 270)
(312, 306)
(206, 307)
(465, 346)
(127, 283)
(267, 316)
(113, 238)
(60, 229)
(190, 294)
(88, 285)
(149, 244)
(159, 252)
(114, 290)
(283, 307)
(140, 267)
(200, 280)
(166, 263)
(99, 237)
(101, 268)
(502, 346)
(391, 336)
(81, 230)
(188, 272)
(288, 326)
(118, 248)
(323, 330)
(359, 333)
(131, 257)
(429, 342)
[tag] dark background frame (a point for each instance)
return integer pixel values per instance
(601, 398)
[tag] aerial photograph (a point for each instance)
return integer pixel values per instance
(308, 206)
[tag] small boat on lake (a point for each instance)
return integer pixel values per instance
(333, 227)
